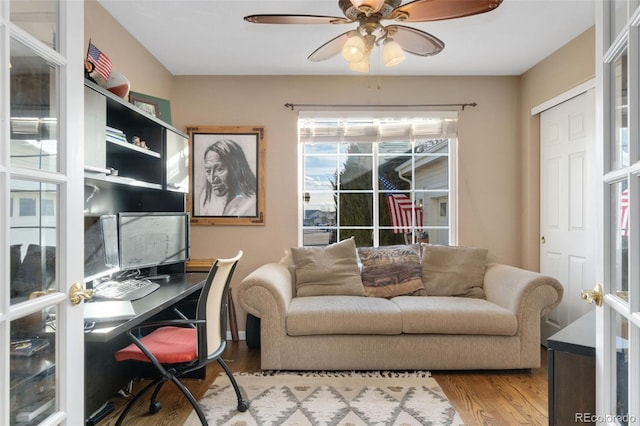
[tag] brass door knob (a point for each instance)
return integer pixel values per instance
(593, 296)
(77, 293)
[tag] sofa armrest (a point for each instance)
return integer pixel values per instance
(267, 291)
(521, 291)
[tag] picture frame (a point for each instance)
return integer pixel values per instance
(226, 175)
(156, 107)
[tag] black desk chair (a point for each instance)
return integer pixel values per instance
(179, 346)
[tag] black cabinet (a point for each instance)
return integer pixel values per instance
(571, 366)
(121, 175)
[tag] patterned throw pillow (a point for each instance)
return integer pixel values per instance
(391, 271)
(454, 271)
(330, 270)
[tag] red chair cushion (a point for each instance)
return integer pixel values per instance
(170, 345)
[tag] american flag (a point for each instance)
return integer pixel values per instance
(624, 213)
(402, 211)
(100, 60)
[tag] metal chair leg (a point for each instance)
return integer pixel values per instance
(243, 404)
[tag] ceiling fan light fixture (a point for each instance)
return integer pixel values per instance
(361, 66)
(354, 49)
(368, 6)
(392, 53)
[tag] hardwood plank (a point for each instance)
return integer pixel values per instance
(493, 398)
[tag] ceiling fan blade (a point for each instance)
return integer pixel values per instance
(330, 48)
(438, 10)
(295, 19)
(415, 41)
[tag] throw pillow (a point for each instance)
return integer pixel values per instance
(329, 270)
(453, 271)
(391, 271)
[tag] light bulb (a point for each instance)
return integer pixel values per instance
(354, 49)
(361, 66)
(392, 53)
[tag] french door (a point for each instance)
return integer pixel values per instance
(618, 118)
(41, 199)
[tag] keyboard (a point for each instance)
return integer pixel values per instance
(128, 289)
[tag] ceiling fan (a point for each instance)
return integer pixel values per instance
(356, 45)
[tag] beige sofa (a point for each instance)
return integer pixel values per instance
(352, 332)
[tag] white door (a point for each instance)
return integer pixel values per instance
(618, 139)
(567, 218)
(41, 196)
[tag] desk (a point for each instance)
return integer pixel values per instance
(572, 371)
(103, 375)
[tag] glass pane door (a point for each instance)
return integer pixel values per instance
(41, 197)
(618, 320)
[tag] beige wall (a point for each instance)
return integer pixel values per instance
(146, 74)
(566, 68)
(488, 151)
(498, 198)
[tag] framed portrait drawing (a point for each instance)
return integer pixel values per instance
(226, 175)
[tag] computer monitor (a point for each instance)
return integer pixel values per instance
(100, 246)
(148, 240)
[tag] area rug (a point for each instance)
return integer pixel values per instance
(329, 398)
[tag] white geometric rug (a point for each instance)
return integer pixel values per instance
(329, 398)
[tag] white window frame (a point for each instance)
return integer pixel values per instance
(452, 169)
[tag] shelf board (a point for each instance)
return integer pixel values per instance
(122, 103)
(121, 180)
(134, 148)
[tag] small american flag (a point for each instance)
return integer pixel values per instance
(100, 60)
(403, 212)
(624, 213)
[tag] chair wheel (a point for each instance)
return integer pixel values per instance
(243, 406)
(154, 407)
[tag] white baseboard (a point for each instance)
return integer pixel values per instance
(241, 335)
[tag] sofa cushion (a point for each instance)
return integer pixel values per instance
(318, 315)
(453, 271)
(454, 315)
(391, 271)
(328, 270)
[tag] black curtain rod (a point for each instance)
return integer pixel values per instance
(292, 106)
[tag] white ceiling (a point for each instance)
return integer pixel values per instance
(210, 37)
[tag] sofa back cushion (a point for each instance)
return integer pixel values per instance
(391, 271)
(453, 271)
(328, 270)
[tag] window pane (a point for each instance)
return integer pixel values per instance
(33, 373)
(355, 148)
(356, 172)
(619, 14)
(431, 146)
(37, 17)
(356, 209)
(34, 110)
(620, 236)
(318, 237)
(320, 172)
(363, 237)
(33, 238)
(620, 146)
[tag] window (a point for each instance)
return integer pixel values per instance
(383, 179)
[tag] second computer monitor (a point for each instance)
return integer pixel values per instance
(148, 240)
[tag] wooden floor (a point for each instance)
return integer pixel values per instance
(481, 397)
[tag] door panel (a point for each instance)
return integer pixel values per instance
(567, 223)
(41, 195)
